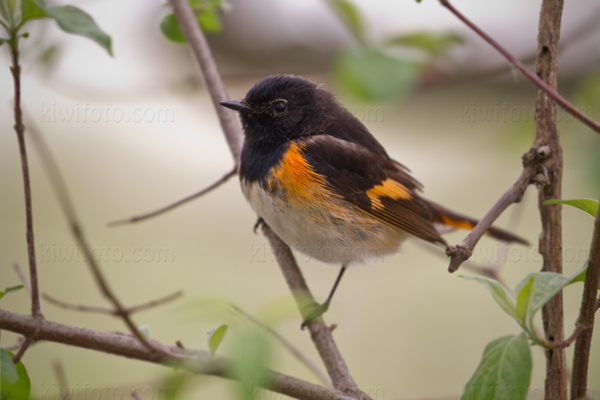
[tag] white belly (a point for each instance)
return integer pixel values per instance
(338, 233)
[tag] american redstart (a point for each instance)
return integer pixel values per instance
(325, 185)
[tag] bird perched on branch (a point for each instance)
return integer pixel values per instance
(325, 185)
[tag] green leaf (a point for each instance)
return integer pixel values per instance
(170, 28)
(251, 353)
(78, 22)
(504, 371)
(588, 206)
(209, 21)
(32, 9)
(5, 11)
(523, 297)
(433, 43)
(372, 75)
(10, 289)
(215, 337)
(499, 293)
(14, 379)
(350, 15)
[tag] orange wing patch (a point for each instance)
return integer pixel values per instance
(299, 178)
(388, 188)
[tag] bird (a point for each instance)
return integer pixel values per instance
(320, 180)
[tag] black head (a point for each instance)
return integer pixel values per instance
(280, 108)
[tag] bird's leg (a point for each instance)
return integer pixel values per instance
(259, 222)
(319, 309)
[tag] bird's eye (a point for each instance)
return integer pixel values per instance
(280, 107)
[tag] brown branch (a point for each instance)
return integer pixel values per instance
(319, 332)
(22, 277)
(111, 311)
(589, 306)
(15, 69)
(287, 344)
(550, 246)
(195, 361)
(212, 78)
(463, 250)
(567, 342)
(24, 346)
(60, 188)
(178, 203)
(540, 83)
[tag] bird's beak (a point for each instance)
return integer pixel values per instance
(240, 106)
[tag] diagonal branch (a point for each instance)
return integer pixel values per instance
(111, 311)
(195, 361)
(463, 250)
(564, 103)
(66, 204)
(178, 203)
(320, 333)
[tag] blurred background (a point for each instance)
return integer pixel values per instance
(137, 131)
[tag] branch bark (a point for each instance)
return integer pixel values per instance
(550, 245)
(589, 302)
(195, 361)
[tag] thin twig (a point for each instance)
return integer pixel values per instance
(22, 277)
(15, 346)
(319, 332)
(61, 377)
(286, 343)
(26, 343)
(60, 188)
(463, 250)
(567, 342)
(212, 78)
(195, 361)
(564, 103)
(178, 203)
(36, 310)
(136, 395)
(112, 311)
(589, 306)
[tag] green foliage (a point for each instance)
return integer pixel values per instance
(74, 20)
(215, 337)
(251, 353)
(372, 75)
(350, 15)
(532, 292)
(69, 18)
(504, 371)
(14, 379)
(433, 43)
(207, 16)
(10, 290)
(588, 206)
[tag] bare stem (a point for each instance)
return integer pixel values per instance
(551, 91)
(36, 310)
(63, 387)
(111, 311)
(189, 26)
(24, 346)
(463, 250)
(589, 306)
(22, 277)
(60, 188)
(178, 203)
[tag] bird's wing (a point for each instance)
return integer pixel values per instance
(369, 179)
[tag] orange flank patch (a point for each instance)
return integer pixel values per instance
(388, 188)
(298, 177)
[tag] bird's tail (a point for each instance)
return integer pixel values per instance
(449, 218)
